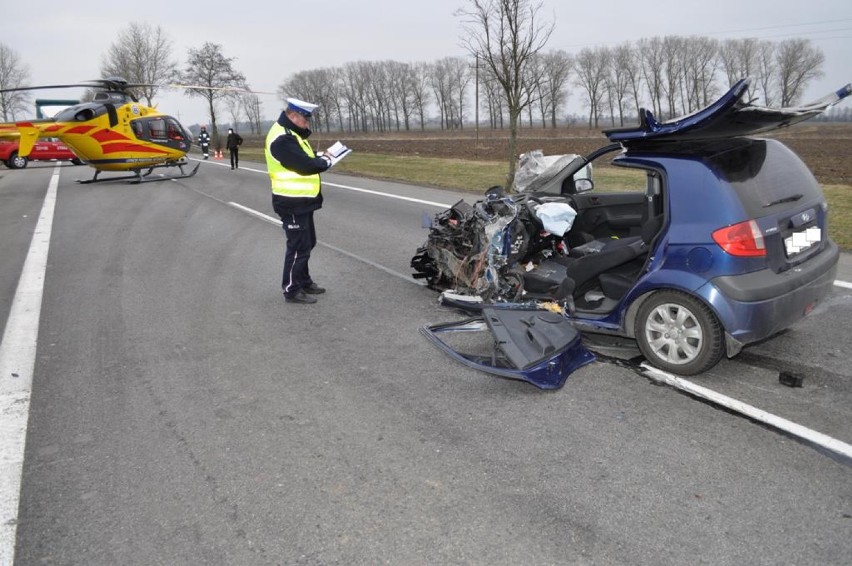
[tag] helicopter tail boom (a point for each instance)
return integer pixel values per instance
(29, 134)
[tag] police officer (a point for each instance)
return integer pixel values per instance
(294, 172)
(204, 141)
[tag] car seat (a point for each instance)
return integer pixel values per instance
(612, 266)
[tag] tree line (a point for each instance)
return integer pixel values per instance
(670, 75)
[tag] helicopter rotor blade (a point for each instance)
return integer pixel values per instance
(109, 84)
(44, 87)
(222, 88)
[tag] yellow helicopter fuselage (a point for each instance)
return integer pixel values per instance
(111, 137)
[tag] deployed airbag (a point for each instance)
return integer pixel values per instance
(556, 217)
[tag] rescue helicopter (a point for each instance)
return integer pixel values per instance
(113, 132)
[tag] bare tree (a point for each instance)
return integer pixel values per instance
(798, 63)
(537, 84)
(651, 54)
(420, 90)
(739, 59)
(673, 47)
(13, 74)
(252, 107)
(335, 96)
(766, 71)
(505, 34)
(317, 86)
(141, 55)
(355, 93)
(397, 103)
(629, 58)
(405, 91)
(610, 97)
(235, 109)
(556, 66)
(591, 70)
(439, 80)
(492, 92)
(624, 71)
(459, 81)
(214, 74)
(699, 62)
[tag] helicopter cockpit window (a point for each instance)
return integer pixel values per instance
(138, 131)
(157, 128)
(174, 130)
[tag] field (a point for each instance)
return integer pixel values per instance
(471, 160)
(825, 147)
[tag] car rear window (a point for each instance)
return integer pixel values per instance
(766, 175)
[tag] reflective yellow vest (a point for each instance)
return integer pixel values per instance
(285, 182)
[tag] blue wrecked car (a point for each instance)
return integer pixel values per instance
(726, 244)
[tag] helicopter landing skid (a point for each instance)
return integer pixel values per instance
(139, 177)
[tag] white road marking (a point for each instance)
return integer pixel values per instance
(831, 444)
(389, 195)
(277, 222)
(17, 364)
(349, 188)
(441, 205)
(20, 339)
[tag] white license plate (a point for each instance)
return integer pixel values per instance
(802, 240)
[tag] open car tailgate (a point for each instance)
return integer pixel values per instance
(729, 116)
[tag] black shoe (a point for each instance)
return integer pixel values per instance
(300, 297)
(313, 289)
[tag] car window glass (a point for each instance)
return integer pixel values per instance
(764, 172)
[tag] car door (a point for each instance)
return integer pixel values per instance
(617, 205)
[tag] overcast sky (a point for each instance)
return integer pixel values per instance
(64, 41)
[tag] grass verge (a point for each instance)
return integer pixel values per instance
(476, 176)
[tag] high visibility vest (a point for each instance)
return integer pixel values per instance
(285, 182)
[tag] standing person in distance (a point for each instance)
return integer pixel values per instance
(204, 141)
(233, 144)
(294, 171)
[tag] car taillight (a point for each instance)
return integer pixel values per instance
(743, 240)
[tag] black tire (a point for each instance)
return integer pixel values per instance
(77, 161)
(678, 333)
(16, 161)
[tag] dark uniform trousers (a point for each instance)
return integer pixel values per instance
(301, 239)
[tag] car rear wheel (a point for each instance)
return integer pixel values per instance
(679, 333)
(16, 161)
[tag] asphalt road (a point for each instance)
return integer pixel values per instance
(182, 413)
